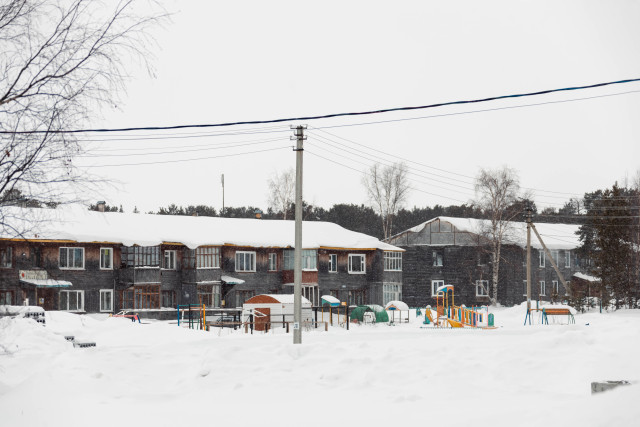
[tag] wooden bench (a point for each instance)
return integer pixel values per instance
(556, 312)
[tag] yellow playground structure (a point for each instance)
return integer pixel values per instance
(449, 315)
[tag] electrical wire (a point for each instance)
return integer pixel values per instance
(333, 115)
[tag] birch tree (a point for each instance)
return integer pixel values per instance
(496, 193)
(60, 62)
(282, 191)
(387, 188)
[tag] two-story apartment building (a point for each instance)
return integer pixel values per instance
(453, 251)
(84, 261)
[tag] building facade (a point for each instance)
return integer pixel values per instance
(453, 251)
(106, 262)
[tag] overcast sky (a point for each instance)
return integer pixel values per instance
(254, 60)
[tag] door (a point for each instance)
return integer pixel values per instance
(261, 321)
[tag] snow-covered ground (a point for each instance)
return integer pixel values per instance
(162, 375)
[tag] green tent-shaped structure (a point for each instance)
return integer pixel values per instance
(359, 311)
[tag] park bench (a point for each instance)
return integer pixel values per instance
(546, 312)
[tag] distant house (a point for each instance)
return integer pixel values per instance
(85, 261)
(452, 251)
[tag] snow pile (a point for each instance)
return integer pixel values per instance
(158, 373)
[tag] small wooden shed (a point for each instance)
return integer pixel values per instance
(273, 308)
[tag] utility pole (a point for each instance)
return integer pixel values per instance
(222, 181)
(297, 272)
(528, 216)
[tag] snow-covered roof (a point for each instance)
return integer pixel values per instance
(75, 223)
(586, 277)
(555, 236)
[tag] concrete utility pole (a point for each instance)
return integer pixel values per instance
(528, 217)
(297, 272)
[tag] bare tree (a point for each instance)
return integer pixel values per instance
(60, 60)
(387, 189)
(496, 193)
(282, 191)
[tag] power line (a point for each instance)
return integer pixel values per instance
(188, 160)
(333, 115)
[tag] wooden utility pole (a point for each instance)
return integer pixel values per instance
(297, 272)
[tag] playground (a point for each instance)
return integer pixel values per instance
(157, 372)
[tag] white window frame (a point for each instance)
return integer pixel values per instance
(567, 259)
(110, 250)
(566, 289)
(556, 257)
(252, 257)
(480, 285)
(333, 263)
(67, 248)
(391, 291)
(173, 259)
(309, 259)
(364, 264)
(273, 261)
(206, 252)
(543, 288)
(541, 260)
(555, 286)
(79, 294)
(392, 261)
(110, 293)
(7, 257)
(435, 284)
(438, 260)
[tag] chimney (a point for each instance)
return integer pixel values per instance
(101, 205)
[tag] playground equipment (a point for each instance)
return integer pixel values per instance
(197, 315)
(547, 311)
(331, 303)
(400, 308)
(378, 314)
(453, 316)
(133, 316)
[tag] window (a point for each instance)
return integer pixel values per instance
(556, 257)
(333, 263)
(524, 288)
(437, 259)
(273, 261)
(312, 293)
(556, 287)
(71, 258)
(106, 259)
(543, 288)
(435, 284)
(208, 257)
(6, 257)
(169, 262)
(309, 259)
(566, 290)
(392, 261)
(141, 256)
(483, 258)
(391, 292)
(357, 297)
(106, 300)
(188, 258)
(245, 261)
(146, 296)
(209, 295)
(482, 288)
(357, 264)
(541, 255)
(567, 259)
(71, 301)
(168, 299)
(524, 258)
(6, 297)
